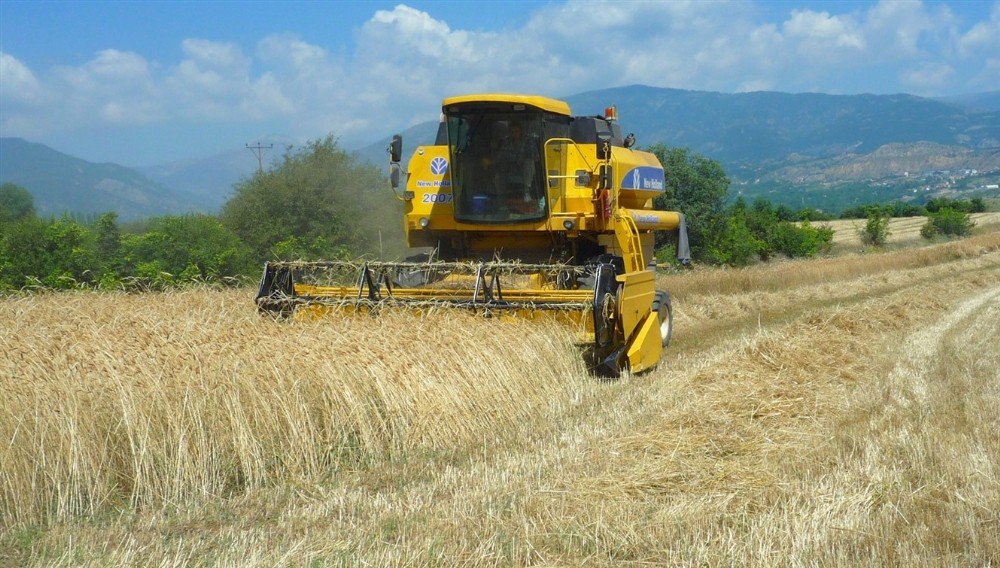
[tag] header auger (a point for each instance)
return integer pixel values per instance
(529, 212)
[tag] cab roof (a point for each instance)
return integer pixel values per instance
(544, 103)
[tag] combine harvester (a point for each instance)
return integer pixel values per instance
(565, 199)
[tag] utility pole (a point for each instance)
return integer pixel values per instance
(258, 151)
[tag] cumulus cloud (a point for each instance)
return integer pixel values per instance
(18, 83)
(928, 76)
(405, 60)
(983, 36)
(819, 31)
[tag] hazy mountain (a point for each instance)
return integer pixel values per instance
(61, 183)
(213, 178)
(976, 102)
(756, 131)
(414, 136)
(789, 143)
(792, 147)
(751, 133)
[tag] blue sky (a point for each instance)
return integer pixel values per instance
(152, 82)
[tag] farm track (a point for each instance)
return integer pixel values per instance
(710, 458)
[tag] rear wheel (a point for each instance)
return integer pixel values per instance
(661, 305)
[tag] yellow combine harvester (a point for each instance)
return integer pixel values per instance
(529, 212)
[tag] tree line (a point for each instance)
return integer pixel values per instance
(319, 202)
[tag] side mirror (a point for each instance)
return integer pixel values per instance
(396, 148)
(603, 145)
(394, 172)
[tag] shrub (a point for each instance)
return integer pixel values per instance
(58, 253)
(185, 248)
(667, 254)
(795, 241)
(876, 230)
(947, 221)
(735, 244)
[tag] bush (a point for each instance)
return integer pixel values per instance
(57, 253)
(185, 248)
(735, 244)
(667, 254)
(876, 230)
(794, 241)
(947, 221)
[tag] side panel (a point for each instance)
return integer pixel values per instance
(636, 302)
(429, 180)
(644, 352)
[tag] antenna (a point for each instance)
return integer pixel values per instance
(258, 151)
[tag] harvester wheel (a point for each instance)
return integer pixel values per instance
(661, 305)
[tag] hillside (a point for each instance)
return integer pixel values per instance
(61, 183)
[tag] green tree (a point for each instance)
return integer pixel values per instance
(16, 203)
(696, 186)
(321, 196)
(109, 238)
(23, 252)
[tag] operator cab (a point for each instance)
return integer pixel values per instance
(496, 144)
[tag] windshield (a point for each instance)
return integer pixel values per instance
(496, 170)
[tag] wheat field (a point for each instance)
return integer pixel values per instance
(836, 411)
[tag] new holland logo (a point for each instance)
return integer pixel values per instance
(439, 166)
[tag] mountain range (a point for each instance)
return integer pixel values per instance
(790, 144)
(62, 183)
(752, 134)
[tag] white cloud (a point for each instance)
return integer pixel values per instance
(983, 36)
(818, 31)
(17, 82)
(405, 60)
(927, 77)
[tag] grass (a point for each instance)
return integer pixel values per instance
(830, 411)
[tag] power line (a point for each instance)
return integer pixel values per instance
(258, 151)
